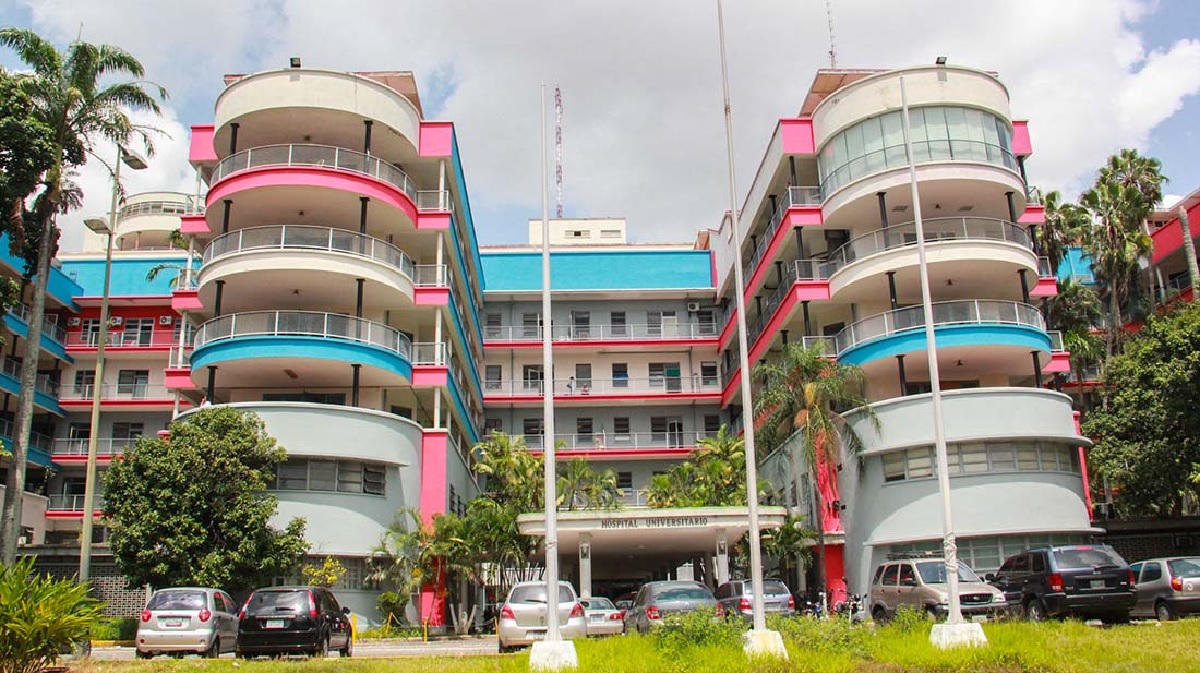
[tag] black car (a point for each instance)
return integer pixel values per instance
(293, 620)
(1089, 581)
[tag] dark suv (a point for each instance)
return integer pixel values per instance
(1089, 581)
(293, 620)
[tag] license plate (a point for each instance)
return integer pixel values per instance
(172, 623)
(1097, 584)
(275, 623)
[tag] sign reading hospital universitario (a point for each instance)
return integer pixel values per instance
(656, 522)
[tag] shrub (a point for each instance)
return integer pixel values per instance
(910, 620)
(823, 635)
(40, 617)
(390, 631)
(115, 628)
(393, 605)
(701, 628)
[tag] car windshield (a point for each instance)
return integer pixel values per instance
(1087, 557)
(177, 599)
(598, 604)
(683, 594)
(536, 593)
(934, 572)
(277, 601)
(1184, 568)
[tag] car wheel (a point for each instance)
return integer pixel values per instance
(347, 651)
(322, 650)
(213, 651)
(1035, 610)
(880, 616)
(1164, 611)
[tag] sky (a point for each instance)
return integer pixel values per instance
(643, 129)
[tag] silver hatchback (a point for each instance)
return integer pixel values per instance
(1167, 587)
(523, 616)
(187, 620)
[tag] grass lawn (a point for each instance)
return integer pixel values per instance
(1068, 647)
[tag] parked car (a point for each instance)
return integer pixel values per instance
(293, 620)
(185, 620)
(736, 598)
(603, 618)
(919, 582)
(657, 599)
(1089, 581)
(523, 617)
(1167, 587)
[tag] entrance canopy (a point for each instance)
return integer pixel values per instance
(678, 531)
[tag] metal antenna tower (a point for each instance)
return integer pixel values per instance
(832, 35)
(558, 172)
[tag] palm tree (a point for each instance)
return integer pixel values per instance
(802, 402)
(1189, 250)
(73, 93)
(1065, 224)
(581, 487)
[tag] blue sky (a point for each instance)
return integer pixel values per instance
(643, 129)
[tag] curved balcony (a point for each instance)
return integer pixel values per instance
(271, 107)
(304, 257)
(271, 179)
(977, 253)
(289, 348)
(147, 220)
(968, 324)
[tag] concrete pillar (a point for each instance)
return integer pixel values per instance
(722, 557)
(585, 565)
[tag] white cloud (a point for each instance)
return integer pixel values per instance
(643, 126)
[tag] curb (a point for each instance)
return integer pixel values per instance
(112, 643)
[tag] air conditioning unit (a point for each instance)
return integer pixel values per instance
(116, 321)
(74, 321)
(166, 319)
(693, 306)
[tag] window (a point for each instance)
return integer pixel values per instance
(920, 463)
(712, 424)
(491, 425)
(893, 466)
(136, 332)
(322, 474)
(491, 376)
(974, 458)
(532, 429)
(706, 323)
(492, 328)
(621, 425)
(581, 323)
(1039, 563)
(1151, 572)
(620, 375)
(610, 233)
(583, 428)
(617, 319)
(128, 430)
(315, 398)
(665, 374)
(292, 475)
(891, 575)
(349, 477)
(133, 382)
(91, 328)
(708, 374)
(662, 324)
(531, 325)
(532, 375)
(625, 481)
(84, 380)
(982, 457)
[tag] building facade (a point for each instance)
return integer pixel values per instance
(337, 290)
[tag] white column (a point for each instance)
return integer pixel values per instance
(437, 409)
(585, 565)
(439, 259)
(722, 557)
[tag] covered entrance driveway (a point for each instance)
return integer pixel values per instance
(628, 545)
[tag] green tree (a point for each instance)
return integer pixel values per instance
(80, 96)
(1148, 437)
(714, 476)
(40, 617)
(1075, 312)
(1064, 228)
(804, 395)
(1189, 252)
(194, 509)
(327, 573)
(582, 487)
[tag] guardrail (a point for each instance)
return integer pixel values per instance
(794, 196)
(188, 204)
(937, 230)
(605, 332)
(432, 200)
(36, 439)
(50, 327)
(799, 269)
(303, 323)
(572, 387)
(306, 237)
(430, 353)
(321, 156)
(614, 440)
(159, 339)
(924, 151)
(73, 503)
(105, 446)
(42, 383)
(944, 313)
(117, 391)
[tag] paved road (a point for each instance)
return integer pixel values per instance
(377, 649)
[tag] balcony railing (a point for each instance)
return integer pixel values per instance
(105, 446)
(304, 237)
(432, 200)
(572, 387)
(595, 332)
(304, 323)
(614, 440)
(50, 327)
(1178, 283)
(43, 383)
(429, 354)
(36, 439)
(180, 358)
(322, 156)
(795, 196)
(937, 230)
(138, 339)
(187, 204)
(799, 269)
(944, 313)
(117, 391)
(73, 503)
(430, 275)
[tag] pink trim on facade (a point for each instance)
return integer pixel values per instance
(803, 216)
(1021, 146)
(433, 473)
(1060, 362)
(310, 176)
(194, 225)
(69, 514)
(727, 330)
(200, 147)
(1047, 286)
(589, 398)
(431, 296)
(146, 402)
(436, 139)
(1169, 238)
(730, 388)
(1083, 467)
(1035, 213)
(796, 136)
(607, 343)
(429, 375)
(186, 300)
(178, 379)
(433, 221)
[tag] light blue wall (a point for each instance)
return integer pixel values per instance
(59, 286)
(1078, 264)
(618, 270)
(948, 336)
(318, 348)
(128, 276)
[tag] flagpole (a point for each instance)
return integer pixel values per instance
(953, 632)
(759, 641)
